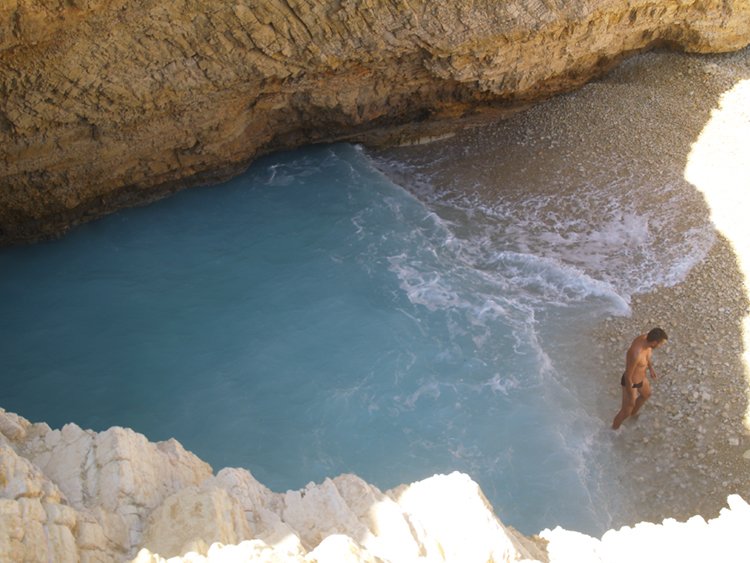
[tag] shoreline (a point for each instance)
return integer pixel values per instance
(688, 447)
(639, 126)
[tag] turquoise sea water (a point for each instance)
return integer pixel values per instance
(311, 318)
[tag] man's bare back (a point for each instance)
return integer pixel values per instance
(636, 388)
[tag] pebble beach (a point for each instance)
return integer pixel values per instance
(690, 446)
(647, 123)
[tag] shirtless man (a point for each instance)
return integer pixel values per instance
(635, 387)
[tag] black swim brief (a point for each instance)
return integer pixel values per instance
(635, 385)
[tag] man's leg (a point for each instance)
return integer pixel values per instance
(645, 393)
(628, 404)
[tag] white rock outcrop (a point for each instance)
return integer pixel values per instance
(77, 495)
(725, 538)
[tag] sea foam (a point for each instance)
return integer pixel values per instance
(312, 317)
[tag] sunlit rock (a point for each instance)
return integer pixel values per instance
(111, 103)
(130, 499)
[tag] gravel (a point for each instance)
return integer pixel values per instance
(685, 451)
(690, 445)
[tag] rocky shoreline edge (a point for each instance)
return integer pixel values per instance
(689, 446)
(77, 495)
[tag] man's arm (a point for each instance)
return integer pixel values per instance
(651, 369)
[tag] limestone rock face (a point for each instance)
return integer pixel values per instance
(74, 495)
(111, 103)
(71, 494)
(339, 520)
(77, 495)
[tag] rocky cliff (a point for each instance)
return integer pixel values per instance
(111, 103)
(73, 495)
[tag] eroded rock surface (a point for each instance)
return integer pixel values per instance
(71, 494)
(77, 495)
(111, 103)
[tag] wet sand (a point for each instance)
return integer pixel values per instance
(689, 447)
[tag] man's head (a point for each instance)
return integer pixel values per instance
(656, 337)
